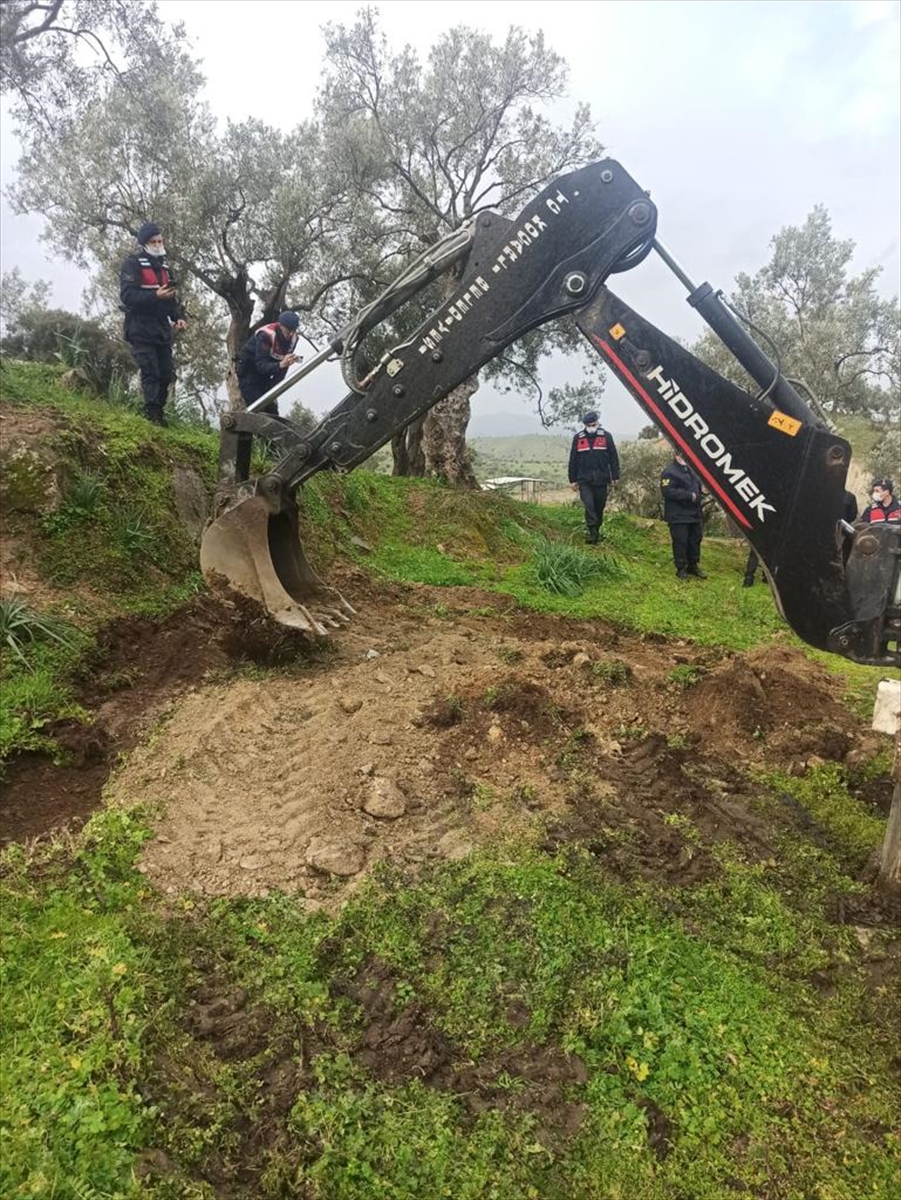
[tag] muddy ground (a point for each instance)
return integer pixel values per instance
(440, 719)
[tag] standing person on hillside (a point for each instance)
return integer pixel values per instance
(884, 506)
(682, 491)
(265, 358)
(593, 467)
(148, 296)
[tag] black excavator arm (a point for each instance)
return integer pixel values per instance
(771, 463)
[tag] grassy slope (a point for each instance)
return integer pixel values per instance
(113, 546)
(697, 1004)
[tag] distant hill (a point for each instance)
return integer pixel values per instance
(502, 424)
(543, 456)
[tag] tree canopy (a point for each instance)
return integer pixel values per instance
(834, 332)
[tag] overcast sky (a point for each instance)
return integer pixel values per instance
(739, 117)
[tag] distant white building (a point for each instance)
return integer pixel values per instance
(522, 487)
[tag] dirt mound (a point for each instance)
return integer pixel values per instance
(776, 695)
(416, 737)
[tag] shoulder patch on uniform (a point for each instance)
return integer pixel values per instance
(664, 482)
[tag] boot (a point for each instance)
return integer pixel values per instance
(682, 573)
(748, 581)
(154, 414)
(696, 572)
(591, 536)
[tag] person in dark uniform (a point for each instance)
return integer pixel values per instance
(265, 358)
(148, 296)
(593, 467)
(681, 490)
(849, 514)
(884, 506)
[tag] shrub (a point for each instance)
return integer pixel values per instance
(566, 571)
(21, 627)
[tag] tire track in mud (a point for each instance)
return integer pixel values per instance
(254, 773)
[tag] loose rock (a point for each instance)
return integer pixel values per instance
(335, 858)
(385, 799)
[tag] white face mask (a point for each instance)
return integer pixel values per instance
(155, 251)
(877, 497)
(591, 428)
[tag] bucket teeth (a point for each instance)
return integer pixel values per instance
(250, 550)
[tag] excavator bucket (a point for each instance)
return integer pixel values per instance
(258, 554)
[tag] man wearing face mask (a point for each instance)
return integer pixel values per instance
(884, 506)
(148, 295)
(593, 467)
(681, 490)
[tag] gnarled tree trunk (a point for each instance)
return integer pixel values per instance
(444, 437)
(406, 447)
(235, 291)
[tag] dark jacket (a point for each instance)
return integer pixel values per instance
(678, 484)
(593, 458)
(147, 318)
(875, 514)
(261, 354)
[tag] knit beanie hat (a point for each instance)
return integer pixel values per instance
(146, 232)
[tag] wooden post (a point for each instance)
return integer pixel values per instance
(889, 878)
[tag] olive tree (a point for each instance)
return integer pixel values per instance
(832, 330)
(430, 144)
(245, 209)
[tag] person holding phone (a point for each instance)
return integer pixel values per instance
(265, 358)
(148, 293)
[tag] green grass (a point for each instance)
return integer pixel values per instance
(22, 629)
(566, 571)
(852, 830)
(34, 696)
(115, 531)
(692, 1005)
(80, 994)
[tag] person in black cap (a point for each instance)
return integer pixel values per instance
(149, 299)
(682, 492)
(884, 506)
(265, 359)
(593, 467)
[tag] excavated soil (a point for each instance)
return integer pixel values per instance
(138, 669)
(415, 737)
